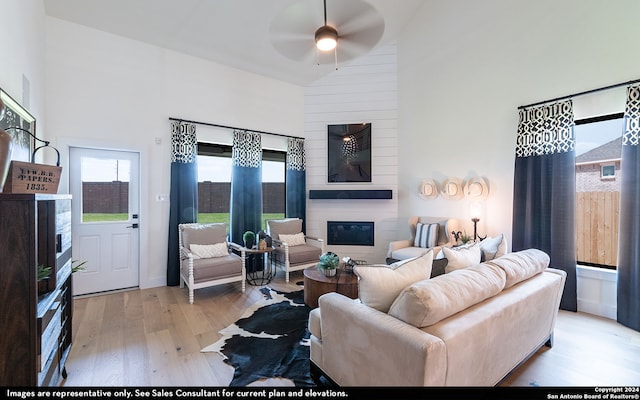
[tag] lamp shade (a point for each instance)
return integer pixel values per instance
(326, 38)
(475, 210)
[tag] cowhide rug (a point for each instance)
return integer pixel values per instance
(271, 340)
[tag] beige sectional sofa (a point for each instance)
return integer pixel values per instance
(469, 327)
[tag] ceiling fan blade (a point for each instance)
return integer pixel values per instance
(295, 49)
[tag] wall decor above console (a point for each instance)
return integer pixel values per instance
(341, 194)
(349, 153)
(454, 189)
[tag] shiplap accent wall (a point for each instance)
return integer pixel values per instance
(365, 90)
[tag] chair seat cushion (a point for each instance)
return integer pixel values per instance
(301, 254)
(409, 252)
(207, 269)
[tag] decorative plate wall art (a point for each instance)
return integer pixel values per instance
(476, 188)
(428, 189)
(452, 189)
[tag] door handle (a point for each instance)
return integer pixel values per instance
(134, 226)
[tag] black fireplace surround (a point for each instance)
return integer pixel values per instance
(350, 233)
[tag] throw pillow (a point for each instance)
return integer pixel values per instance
(293, 240)
(459, 258)
(426, 235)
(209, 250)
(493, 247)
(438, 267)
(379, 285)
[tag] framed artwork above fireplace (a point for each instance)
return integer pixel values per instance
(349, 148)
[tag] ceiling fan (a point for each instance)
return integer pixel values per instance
(348, 30)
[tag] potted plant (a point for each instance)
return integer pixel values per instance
(249, 239)
(43, 279)
(77, 267)
(329, 262)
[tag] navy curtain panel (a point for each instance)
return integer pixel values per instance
(544, 189)
(628, 306)
(295, 181)
(184, 190)
(246, 184)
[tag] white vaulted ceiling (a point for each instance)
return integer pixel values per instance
(237, 33)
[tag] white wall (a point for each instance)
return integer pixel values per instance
(361, 91)
(22, 64)
(464, 68)
(110, 92)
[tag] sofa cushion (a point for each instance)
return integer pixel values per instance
(408, 252)
(302, 254)
(379, 285)
(430, 300)
(493, 247)
(461, 257)
(521, 265)
(209, 250)
(426, 235)
(207, 269)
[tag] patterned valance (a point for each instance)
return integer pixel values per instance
(247, 149)
(184, 144)
(631, 136)
(296, 160)
(546, 129)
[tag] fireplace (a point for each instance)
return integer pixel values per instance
(350, 233)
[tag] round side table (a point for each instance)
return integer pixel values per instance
(259, 270)
(316, 283)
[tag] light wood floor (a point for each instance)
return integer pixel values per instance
(153, 337)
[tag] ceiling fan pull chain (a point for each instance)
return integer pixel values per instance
(335, 54)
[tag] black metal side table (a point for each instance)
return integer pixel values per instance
(259, 270)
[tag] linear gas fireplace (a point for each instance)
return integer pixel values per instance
(350, 233)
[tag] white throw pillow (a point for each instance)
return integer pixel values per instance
(493, 247)
(379, 285)
(461, 258)
(209, 250)
(296, 239)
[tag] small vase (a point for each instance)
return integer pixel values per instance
(330, 272)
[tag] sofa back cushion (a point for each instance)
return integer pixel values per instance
(521, 265)
(428, 301)
(379, 285)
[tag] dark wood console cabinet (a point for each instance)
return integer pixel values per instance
(35, 336)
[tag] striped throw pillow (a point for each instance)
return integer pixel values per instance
(426, 235)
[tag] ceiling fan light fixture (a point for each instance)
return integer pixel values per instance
(326, 38)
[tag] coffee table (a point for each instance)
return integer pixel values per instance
(316, 283)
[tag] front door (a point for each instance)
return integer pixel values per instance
(105, 218)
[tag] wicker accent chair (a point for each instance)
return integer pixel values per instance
(207, 258)
(293, 250)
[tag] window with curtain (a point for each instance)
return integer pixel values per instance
(214, 183)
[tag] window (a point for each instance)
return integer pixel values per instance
(607, 171)
(598, 151)
(214, 183)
